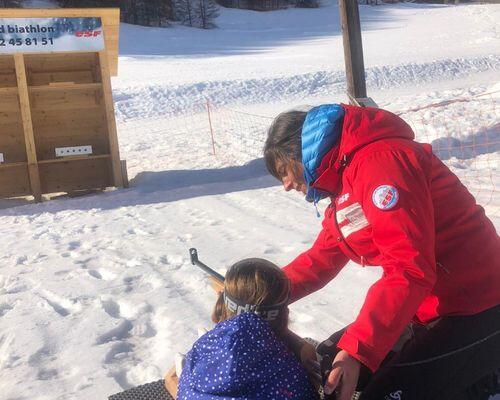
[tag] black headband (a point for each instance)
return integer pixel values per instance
(269, 313)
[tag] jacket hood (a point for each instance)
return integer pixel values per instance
(242, 358)
(327, 149)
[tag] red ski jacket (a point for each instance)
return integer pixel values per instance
(395, 204)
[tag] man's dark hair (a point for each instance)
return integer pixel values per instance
(283, 141)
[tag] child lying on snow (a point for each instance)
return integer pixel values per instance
(248, 353)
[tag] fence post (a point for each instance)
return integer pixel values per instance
(210, 125)
(353, 48)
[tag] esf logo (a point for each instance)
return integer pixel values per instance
(87, 34)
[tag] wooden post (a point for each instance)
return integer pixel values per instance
(110, 120)
(353, 48)
(29, 139)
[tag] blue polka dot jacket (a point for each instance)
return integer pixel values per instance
(242, 358)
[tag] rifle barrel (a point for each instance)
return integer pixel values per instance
(195, 261)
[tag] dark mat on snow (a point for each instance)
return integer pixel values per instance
(149, 391)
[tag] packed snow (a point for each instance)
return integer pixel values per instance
(97, 293)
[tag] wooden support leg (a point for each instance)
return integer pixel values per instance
(35, 182)
(110, 119)
(124, 173)
(29, 139)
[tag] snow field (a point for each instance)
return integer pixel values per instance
(97, 293)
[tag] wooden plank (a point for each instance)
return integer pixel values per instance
(75, 158)
(9, 117)
(46, 145)
(64, 100)
(7, 62)
(12, 143)
(73, 128)
(111, 122)
(44, 78)
(9, 102)
(69, 61)
(110, 18)
(61, 132)
(68, 119)
(29, 139)
(52, 87)
(14, 181)
(353, 48)
(67, 176)
(13, 165)
(5, 91)
(7, 72)
(126, 183)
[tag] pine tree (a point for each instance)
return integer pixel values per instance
(184, 12)
(10, 3)
(138, 12)
(207, 11)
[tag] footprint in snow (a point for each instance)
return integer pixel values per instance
(117, 352)
(120, 332)
(111, 307)
(5, 308)
(74, 245)
(94, 274)
(61, 305)
(46, 374)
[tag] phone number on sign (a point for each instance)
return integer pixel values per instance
(27, 42)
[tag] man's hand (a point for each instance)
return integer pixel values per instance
(344, 376)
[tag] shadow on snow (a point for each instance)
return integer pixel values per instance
(157, 187)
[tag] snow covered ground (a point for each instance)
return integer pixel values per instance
(97, 293)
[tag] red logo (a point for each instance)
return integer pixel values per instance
(87, 33)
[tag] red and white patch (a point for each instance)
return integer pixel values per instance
(351, 219)
(385, 197)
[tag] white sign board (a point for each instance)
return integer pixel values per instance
(40, 35)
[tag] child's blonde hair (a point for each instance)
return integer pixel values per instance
(258, 282)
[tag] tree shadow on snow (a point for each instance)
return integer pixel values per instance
(246, 31)
(158, 187)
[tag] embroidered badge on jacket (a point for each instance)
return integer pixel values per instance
(385, 197)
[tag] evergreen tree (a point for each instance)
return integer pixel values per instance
(307, 4)
(10, 3)
(207, 11)
(184, 12)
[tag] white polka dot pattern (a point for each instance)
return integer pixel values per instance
(242, 358)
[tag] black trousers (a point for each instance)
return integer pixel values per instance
(451, 358)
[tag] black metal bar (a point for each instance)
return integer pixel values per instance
(195, 261)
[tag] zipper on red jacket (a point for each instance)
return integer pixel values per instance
(443, 267)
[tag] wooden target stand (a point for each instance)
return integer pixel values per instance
(53, 103)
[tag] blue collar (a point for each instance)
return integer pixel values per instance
(320, 132)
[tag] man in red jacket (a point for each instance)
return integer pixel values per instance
(393, 204)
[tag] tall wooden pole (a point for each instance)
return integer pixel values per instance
(353, 48)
